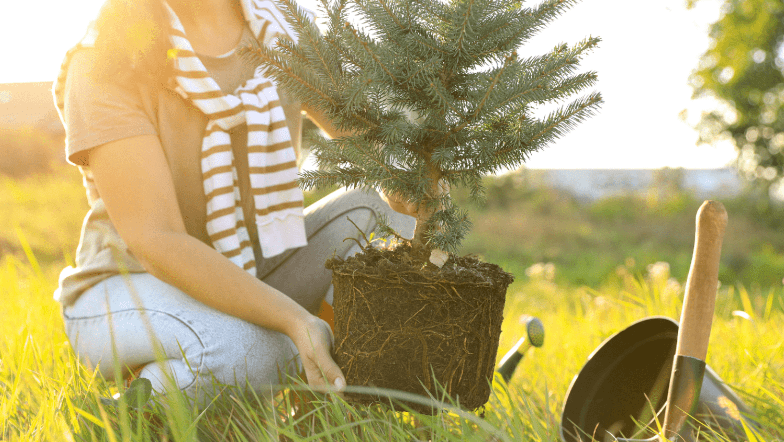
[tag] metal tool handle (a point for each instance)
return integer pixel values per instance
(700, 298)
(696, 319)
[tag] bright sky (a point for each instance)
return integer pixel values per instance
(648, 50)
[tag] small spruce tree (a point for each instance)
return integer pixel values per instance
(434, 94)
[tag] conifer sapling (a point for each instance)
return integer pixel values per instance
(434, 94)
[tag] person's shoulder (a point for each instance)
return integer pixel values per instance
(89, 75)
(98, 108)
(83, 62)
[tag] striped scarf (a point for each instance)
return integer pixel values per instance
(278, 200)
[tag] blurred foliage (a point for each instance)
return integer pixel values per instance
(28, 150)
(522, 223)
(744, 69)
(519, 224)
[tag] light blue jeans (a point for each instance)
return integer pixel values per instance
(138, 321)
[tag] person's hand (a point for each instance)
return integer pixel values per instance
(314, 340)
(398, 204)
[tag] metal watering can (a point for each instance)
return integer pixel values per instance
(628, 376)
(655, 371)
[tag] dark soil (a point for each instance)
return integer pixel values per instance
(401, 322)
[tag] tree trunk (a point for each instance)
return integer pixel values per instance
(427, 209)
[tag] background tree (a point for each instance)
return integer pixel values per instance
(744, 70)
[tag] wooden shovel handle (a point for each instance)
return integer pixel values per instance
(700, 298)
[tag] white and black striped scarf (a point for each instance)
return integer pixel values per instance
(277, 199)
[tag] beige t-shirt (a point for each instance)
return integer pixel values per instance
(100, 112)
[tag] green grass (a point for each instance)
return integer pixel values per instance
(47, 209)
(46, 394)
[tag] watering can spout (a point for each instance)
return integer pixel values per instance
(533, 337)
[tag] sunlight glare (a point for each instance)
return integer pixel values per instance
(46, 28)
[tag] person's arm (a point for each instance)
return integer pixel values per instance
(134, 181)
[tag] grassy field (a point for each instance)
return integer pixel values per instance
(612, 263)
